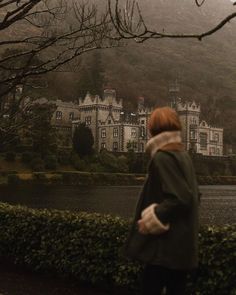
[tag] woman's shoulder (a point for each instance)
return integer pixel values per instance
(164, 158)
(168, 155)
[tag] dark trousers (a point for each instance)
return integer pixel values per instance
(157, 278)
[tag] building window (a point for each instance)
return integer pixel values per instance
(134, 145)
(194, 120)
(115, 146)
(71, 116)
(216, 137)
(212, 151)
(88, 120)
(193, 134)
(143, 122)
(109, 121)
(103, 133)
(141, 147)
(103, 145)
(203, 140)
(133, 132)
(115, 132)
(58, 115)
(142, 131)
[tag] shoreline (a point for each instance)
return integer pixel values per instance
(90, 178)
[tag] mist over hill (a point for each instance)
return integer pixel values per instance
(206, 70)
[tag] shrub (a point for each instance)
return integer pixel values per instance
(37, 164)
(51, 162)
(13, 179)
(108, 161)
(122, 164)
(64, 158)
(78, 163)
(96, 167)
(88, 247)
(39, 176)
(27, 157)
(10, 156)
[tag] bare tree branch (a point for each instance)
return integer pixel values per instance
(52, 40)
(129, 24)
(199, 3)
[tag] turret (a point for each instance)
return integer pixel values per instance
(173, 93)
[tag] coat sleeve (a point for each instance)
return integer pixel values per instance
(177, 194)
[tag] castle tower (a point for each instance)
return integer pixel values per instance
(189, 113)
(143, 120)
(173, 94)
(141, 101)
(96, 111)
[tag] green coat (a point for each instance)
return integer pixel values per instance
(171, 183)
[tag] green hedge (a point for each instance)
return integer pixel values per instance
(88, 247)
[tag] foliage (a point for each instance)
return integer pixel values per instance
(64, 157)
(51, 162)
(122, 164)
(41, 130)
(208, 166)
(10, 156)
(37, 164)
(217, 274)
(78, 163)
(91, 77)
(27, 157)
(112, 163)
(88, 247)
(83, 140)
(137, 162)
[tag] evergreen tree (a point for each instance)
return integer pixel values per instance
(83, 140)
(40, 131)
(92, 77)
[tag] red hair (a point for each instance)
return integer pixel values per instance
(164, 119)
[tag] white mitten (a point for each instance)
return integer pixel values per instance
(151, 221)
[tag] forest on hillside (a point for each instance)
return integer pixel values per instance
(204, 69)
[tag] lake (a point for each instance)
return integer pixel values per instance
(218, 204)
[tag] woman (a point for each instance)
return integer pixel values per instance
(165, 231)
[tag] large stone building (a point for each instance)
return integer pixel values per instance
(112, 127)
(198, 136)
(117, 130)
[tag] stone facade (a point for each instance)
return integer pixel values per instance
(113, 129)
(197, 135)
(117, 130)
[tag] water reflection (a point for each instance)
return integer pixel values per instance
(218, 202)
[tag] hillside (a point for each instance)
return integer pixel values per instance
(206, 70)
